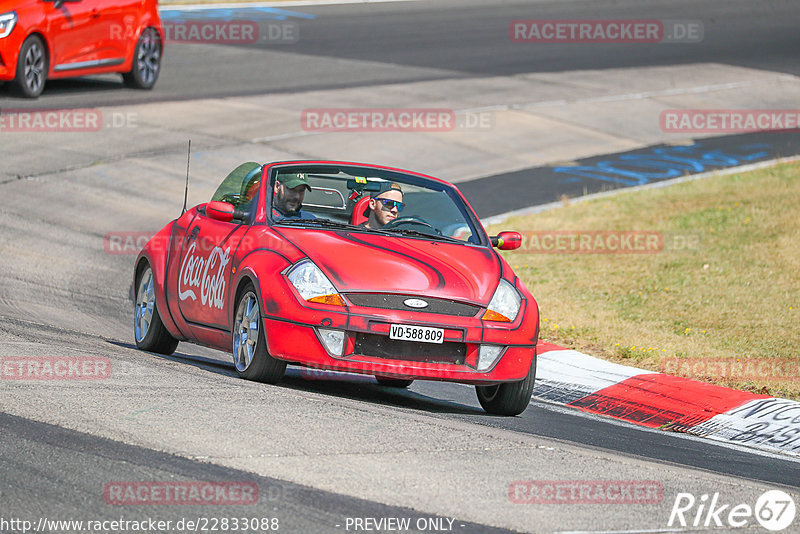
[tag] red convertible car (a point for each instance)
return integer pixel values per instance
(342, 266)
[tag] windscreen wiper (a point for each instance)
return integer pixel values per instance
(327, 223)
(417, 233)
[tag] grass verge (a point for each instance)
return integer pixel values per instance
(719, 301)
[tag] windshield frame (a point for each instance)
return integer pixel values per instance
(385, 173)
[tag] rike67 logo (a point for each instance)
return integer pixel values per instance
(774, 510)
(205, 274)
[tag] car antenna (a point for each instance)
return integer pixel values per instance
(186, 189)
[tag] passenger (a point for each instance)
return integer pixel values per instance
(287, 197)
(384, 205)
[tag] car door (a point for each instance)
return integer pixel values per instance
(75, 31)
(122, 18)
(204, 271)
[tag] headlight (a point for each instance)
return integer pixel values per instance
(312, 284)
(504, 305)
(7, 23)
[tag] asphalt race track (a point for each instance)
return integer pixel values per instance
(446, 39)
(325, 450)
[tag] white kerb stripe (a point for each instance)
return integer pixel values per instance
(585, 373)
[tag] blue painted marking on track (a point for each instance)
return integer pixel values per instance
(663, 163)
(237, 13)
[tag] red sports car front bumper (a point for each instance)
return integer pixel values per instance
(369, 350)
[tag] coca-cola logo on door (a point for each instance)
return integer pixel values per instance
(204, 274)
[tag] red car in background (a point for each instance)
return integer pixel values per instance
(48, 39)
(424, 296)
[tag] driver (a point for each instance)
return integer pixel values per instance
(384, 205)
(288, 194)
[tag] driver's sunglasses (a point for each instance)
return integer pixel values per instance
(389, 204)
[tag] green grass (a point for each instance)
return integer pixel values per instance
(734, 295)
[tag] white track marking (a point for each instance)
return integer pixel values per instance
(560, 408)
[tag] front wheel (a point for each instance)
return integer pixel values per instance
(148, 329)
(32, 67)
(250, 355)
(146, 61)
(508, 399)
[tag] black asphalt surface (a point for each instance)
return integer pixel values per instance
(445, 39)
(56, 474)
(59, 474)
(546, 420)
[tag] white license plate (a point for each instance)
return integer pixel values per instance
(424, 334)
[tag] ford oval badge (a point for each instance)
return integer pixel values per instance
(415, 303)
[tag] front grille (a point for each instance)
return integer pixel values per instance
(386, 301)
(378, 346)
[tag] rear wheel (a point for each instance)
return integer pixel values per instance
(146, 61)
(32, 67)
(148, 329)
(250, 355)
(508, 399)
(393, 382)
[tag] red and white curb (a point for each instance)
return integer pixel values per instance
(657, 400)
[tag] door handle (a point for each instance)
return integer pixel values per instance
(95, 14)
(194, 232)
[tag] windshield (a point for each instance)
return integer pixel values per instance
(370, 200)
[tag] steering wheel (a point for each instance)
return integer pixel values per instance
(408, 221)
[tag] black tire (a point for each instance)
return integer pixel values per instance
(32, 68)
(393, 382)
(252, 361)
(146, 64)
(510, 398)
(148, 329)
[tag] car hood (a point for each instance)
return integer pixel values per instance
(10, 5)
(360, 261)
